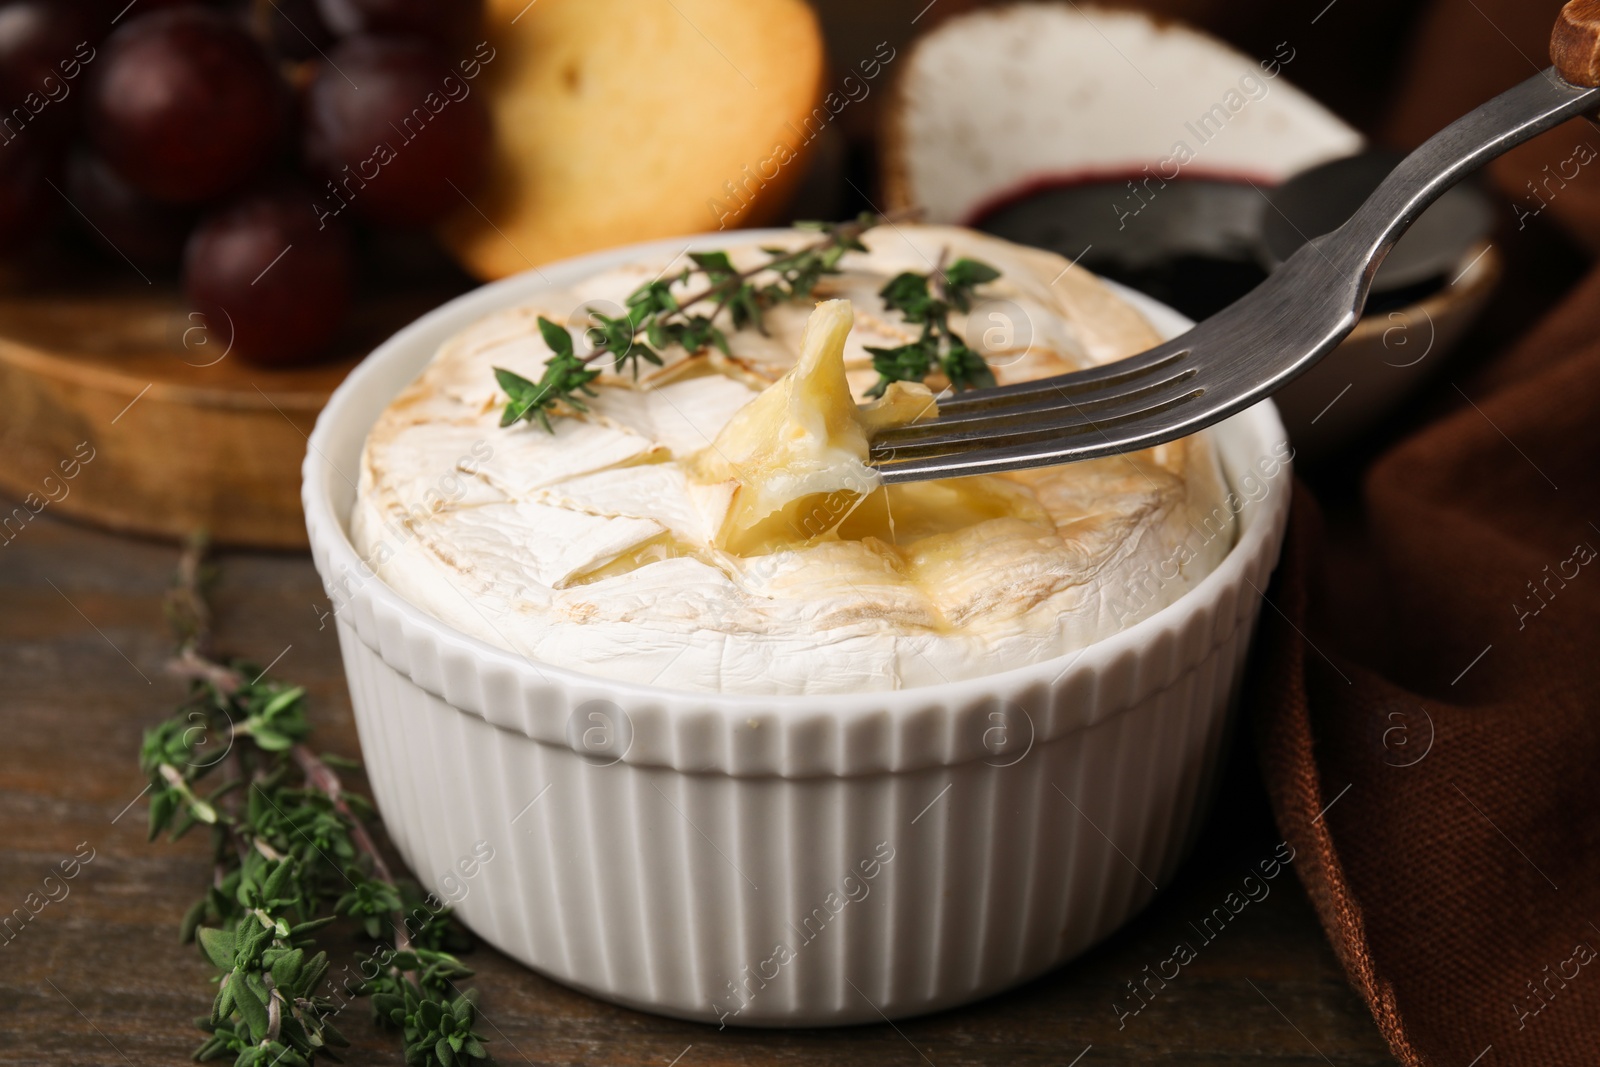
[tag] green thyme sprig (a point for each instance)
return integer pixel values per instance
(291, 854)
(565, 382)
(656, 320)
(928, 301)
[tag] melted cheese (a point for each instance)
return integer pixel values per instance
(792, 464)
(715, 525)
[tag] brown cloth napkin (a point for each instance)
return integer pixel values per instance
(1428, 689)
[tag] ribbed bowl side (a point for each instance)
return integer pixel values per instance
(766, 900)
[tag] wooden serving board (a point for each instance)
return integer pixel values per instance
(120, 408)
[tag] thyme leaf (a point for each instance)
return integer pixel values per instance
(928, 300)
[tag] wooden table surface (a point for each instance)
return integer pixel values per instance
(98, 977)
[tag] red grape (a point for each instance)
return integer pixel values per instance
(393, 148)
(185, 105)
(268, 277)
(440, 21)
(27, 202)
(44, 47)
(149, 233)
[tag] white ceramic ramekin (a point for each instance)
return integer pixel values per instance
(785, 860)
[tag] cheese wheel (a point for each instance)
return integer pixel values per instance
(606, 547)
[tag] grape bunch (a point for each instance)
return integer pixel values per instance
(251, 146)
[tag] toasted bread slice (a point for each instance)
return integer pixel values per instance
(624, 120)
(996, 101)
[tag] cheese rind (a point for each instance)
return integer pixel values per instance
(715, 527)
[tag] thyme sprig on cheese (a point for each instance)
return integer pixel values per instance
(928, 300)
(656, 320)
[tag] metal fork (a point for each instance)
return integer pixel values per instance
(1255, 346)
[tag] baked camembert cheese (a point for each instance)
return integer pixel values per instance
(713, 525)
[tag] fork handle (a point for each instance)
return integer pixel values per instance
(1575, 43)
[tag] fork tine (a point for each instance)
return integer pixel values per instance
(1109, 401)
(1055, 419)
(1077, 383)
(1061, 441)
